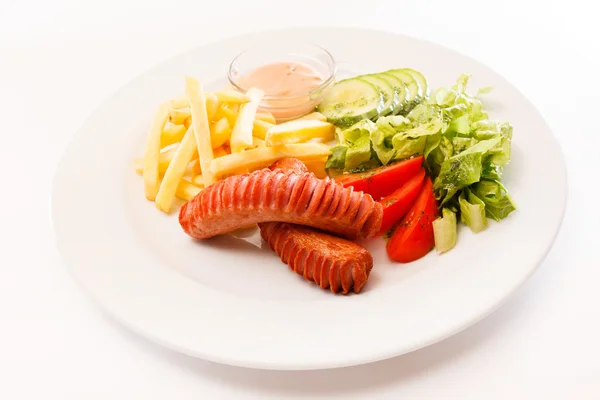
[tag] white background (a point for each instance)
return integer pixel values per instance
(60, 59)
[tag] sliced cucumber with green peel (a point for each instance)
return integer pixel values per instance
(412, 86)
(420, 80)
(401, 92)
(386, 89)
(351, 100)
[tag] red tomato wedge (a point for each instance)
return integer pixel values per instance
(382, 181)
(397, 204)
(413, 237)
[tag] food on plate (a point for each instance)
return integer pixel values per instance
(164, 159)
(329, 261)
(186, 190)
(266, 117)
(200, 127)
(382, 181)
(375, 95)
(177, 116)
(261, 128)
(232, 96)
(444, 231)
(463, 151)
(405, 164)
(299, 131)
(220, 133)
(241, 135)
(262, 157)
(175, 171)
(283, 196)
(293, 83)
(152, 154)
(312, 116)
(171, 134)
(397, 204)
(282, 79)
(413, 237)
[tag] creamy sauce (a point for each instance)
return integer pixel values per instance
(282, 79)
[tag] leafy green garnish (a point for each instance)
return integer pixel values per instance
(472, 211)
(465, 153)
(444, 231)
(498, 203)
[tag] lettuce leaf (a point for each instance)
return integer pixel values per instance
(498, 203)
(438, 155)
(472, 211)
(444, 231)
(337, 159)
(358, 153)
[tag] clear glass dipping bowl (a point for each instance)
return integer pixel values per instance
(286, 107)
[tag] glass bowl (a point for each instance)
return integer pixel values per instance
(286, 107)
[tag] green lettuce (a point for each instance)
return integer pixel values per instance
(498, 203)
(444, 231)
(472, 211)
(463, 169)
(337, 159)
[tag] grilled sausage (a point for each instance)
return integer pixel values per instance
(329, 261)
(282, 196)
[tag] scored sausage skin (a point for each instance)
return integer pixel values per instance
(283, 196)
(329, 261)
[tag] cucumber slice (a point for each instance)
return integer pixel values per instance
(401, 92)
(413, 88)
(420, 80)
(351, 100)
(389, 94)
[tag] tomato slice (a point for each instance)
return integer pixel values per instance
(413, 237)
(397, 204)
(382, 181)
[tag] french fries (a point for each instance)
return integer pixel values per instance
(178, 115)
(256, 142)
(261, 157)
(312, 116)
(198, 181)
(220, 133)
(221, 151)
(224, 111)
(299, 131)
(202, 137)
(266, 116)
(232, 96)
(212, 105)
(260, 128)
(175, 171)
(194, 167)
(317, 167)
(180, 102)
(241, 135)
(172, 134)
(200, 126)
(164, 159)
(187, 190)
(152, 153)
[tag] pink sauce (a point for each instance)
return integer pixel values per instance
(284, 79)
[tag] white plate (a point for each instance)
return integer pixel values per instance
(229, 301)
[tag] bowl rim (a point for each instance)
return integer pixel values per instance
(325, 83)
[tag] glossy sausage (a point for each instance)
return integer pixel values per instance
(280, 196)
(329, 261)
